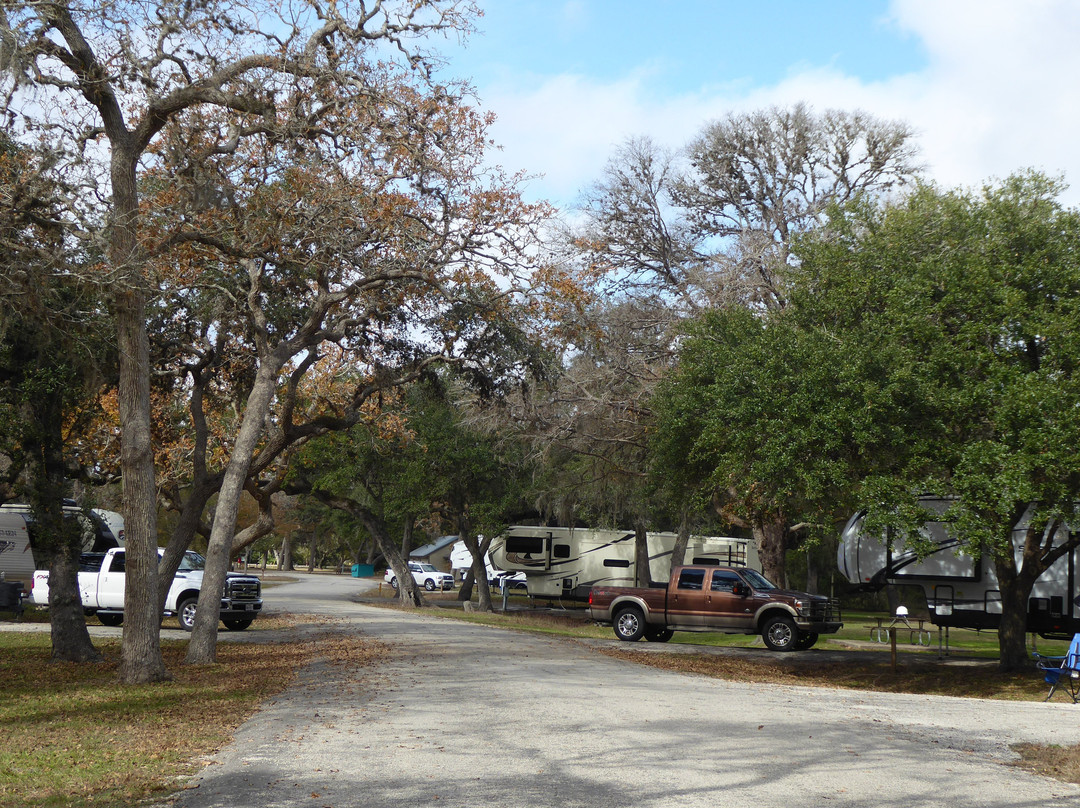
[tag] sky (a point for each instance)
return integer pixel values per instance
(989, 86)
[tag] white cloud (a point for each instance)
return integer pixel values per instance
(573, 17)
(999, 93)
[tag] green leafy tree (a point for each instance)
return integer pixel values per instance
(972, 303)
(54, 357)
(674, 235)
(762, 421)
(473, 476)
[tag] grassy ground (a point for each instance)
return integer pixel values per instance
(82, 740)
(75, 737)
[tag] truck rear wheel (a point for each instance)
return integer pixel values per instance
(780, 633)
(629, 624)
(659, 634)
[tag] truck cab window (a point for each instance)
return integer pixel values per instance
(692, 579)
(724, 581)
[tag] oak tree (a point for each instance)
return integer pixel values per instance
(97, 84)
(972, 303)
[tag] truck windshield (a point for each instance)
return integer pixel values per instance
(192, 561)
(757, 580)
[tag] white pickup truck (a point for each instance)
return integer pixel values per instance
(101, 583)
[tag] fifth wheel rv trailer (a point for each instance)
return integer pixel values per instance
(16, 558)
(461, 563)
(562, 562)
(961, 591)
(101, 530)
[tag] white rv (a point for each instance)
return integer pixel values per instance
(960, 590)
(461, 563)
(563, 562)
(101, 530)
(16, 557)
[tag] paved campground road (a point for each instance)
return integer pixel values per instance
(466, 715)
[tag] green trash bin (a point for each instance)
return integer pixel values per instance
(355, 570)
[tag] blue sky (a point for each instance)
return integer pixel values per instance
(991, 86)
(686, 44)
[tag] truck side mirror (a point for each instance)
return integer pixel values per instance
(739, 588)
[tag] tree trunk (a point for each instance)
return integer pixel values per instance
(678, 552)
(284, 561)
(54, 537)
(479, 568)
(183, 534)
(642, 572)
(467, 581)
(1012, 633)
(770, 533)
(202, 649)
(407, 537)
(1015, 586)
(141, 660)
(70, 638)
(811, 573)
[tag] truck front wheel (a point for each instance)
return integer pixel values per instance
(185, 612)
(629, 624)
(780, 633)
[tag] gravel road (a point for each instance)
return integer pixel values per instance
(468, 715)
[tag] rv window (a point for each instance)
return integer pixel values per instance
(616, 562)
(560, 551)
(524, 544)
(691, 579)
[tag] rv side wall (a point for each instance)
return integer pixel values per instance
(16, 558)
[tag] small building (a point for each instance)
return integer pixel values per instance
(437, 553)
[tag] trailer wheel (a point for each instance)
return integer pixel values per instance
(110, 619)
(806, 640)
(629, 624)
(185, 612)
(659, 634)
(780, 633)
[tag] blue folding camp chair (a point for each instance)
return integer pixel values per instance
(1063, 672)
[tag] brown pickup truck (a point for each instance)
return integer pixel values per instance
(725, 599)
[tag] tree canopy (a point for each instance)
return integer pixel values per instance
(972, 301)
